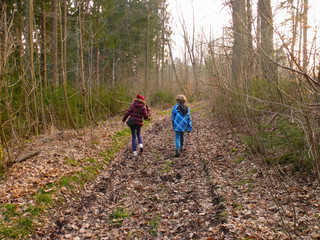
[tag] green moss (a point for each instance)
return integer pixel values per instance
(25, 225)
(71, 162)
(166, 167)
(107, 155)
(239, 159)
(44, 198)
(196, 109)
(84, 177)
(19, 230)
(153, 225)
(245, 181)
(164, 113)
(33, 210)
(100, 166)
(235, 205)
(91, 170)
(65, 181)
(123, 133)
(118, 215)
(78, 179)
(10, 211)
(91, 160)
(252, 171)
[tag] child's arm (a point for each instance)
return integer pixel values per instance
(147, 112)
(189, 121)
(128, 113)
(173, 115)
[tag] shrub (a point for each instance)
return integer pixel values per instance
(286, 141)
(162, 99)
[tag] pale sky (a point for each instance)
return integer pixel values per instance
(209, 15)
(212, 16)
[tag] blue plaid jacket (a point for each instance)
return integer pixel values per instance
(180, 122)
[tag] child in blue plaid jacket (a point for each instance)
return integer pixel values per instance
(181, 122)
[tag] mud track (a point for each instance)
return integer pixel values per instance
(153, 196)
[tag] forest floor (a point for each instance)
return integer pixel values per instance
(214, 190)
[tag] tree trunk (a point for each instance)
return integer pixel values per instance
(158, 54)
(97, 52)
(266, 45)
(174, 70)
(55, 43)
(41, 85)
(249, 55)
(294, 31)
(146, 65)
(44, 46)
(63, 39)
(190, 48)
(3, 19)
(305, 36)
(29, 7)
(238, 9)
(162, 42)
(97, 67)
(113, 68)
(81, 70)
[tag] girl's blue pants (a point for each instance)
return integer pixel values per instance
(136, 132)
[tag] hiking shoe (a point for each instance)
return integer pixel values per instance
(135, 153)
(141, 147)
(177, 153)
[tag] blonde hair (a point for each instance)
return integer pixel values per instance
(181, 99)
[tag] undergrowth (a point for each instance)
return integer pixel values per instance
(162, 99)
(285, 140)
(265, 116)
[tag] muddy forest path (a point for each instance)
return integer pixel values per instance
(153, 196)
(214, 190)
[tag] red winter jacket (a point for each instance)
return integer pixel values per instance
(134, 110)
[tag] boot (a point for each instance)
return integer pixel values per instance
(177, 153)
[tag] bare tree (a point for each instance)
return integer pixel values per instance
(63, 39)
(190, 47)
(29, 39)
(81, 58)
(305, 35)
(55, 42)
(175, 71)
(238, 13)
(266, 41)
(146, 70)
(44, 45)
(249, 44)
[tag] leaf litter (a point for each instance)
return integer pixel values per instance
(214, 190)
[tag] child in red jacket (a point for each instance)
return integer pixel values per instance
(137, 111)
